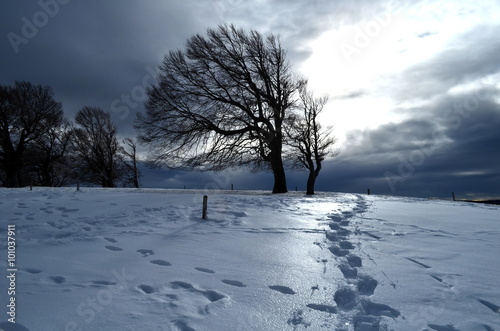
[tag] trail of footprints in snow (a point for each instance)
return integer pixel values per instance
(367, 314)
(352, 300)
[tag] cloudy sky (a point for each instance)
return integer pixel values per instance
(414, 86)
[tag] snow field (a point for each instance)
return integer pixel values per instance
(143, 259)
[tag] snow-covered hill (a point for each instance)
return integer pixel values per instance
(122, 259)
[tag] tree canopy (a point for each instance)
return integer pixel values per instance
(221, 102)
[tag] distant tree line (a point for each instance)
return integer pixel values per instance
(38, 146)
(230, 99)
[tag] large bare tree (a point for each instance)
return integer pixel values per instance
(310, 142)
(27, 112)
(220, 103)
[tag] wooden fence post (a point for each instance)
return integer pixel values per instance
(205, 205)
(368, 191)
(453, 195)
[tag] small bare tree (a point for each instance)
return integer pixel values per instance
(130, 162)
(96, 144)
(310, 143)
(47, 156)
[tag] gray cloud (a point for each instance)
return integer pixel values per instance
(473, 56)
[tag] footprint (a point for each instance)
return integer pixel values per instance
(378, 309)
(346, 245)
(58, 279)
(172, 297)
(236, 283)
(323, 308)
(145, 252)
(212, 295)
(103, 282)
(58, 225)
(161, 262)
(334, 226)
(368, 323)
(111, 240)
(490, 305)
(335, 250)
(419, 263)
(354, 261)
(208, 271)
(146, 289)
(346, 298)
(32, 270)
(448, 327)
(371, 235)
(348, 272)
(63, 235)
(182, 326)
(366, 285)
(46, 210)
(282, 289)
(114, 248)
(439, 279)
(183, 285)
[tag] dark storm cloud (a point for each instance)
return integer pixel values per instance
(441, 151)
(93, 52)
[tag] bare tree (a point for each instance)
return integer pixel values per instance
(27, 112)
(221, 103)
(47, 158)
(130, 161)
(310, 143)
(96, 144)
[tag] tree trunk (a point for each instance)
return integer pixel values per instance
(13, 171)
(313, 174)
(279, 174)
(310, 183)
(12, 176)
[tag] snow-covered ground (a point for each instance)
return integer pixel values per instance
(121, 259)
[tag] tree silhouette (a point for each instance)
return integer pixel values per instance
(97, 146)
(130, 162)
(222, 102)
(27, 112)
(310, 143)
